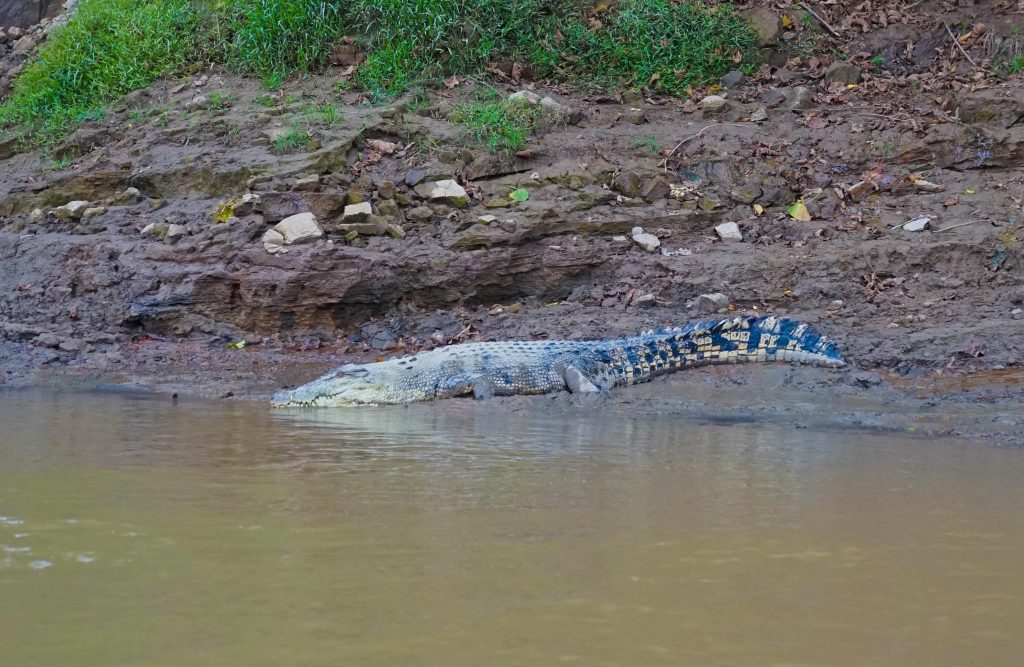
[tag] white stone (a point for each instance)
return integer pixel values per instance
(273, 242)
(129, 196)
(447, 191)
(487, 219)
(73, 210)
(175, 231)
(357, 212)
(711, 303)
(729, 231)
(300, 228)
(714, 103)
(917, 224)
(526, 96)
(648, 242)
(93, 212)
(36, 215)
(759, 115)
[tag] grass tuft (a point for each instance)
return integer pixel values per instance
(503, 125)
(661, 44)
(109, 48)
(292, 140)
(273, 38)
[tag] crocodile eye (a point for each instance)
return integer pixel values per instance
(355, 372)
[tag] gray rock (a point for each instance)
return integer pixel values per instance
(389, 208)
(357, 212)
(729, 231)
(175, 232)
(711, 303)
(845, 73)
(655, 189)
(24, 45)
(273, 241)
(126, 198)
(414, 177)
(301, 228)
(307, 184)
(46, 339)
(766, 25)
(525, 96)
(734, 79)
(714, 104)
(917, 224)
(648, 242)
(1017, 314)
(788, 76)
(72, 345)
(644, 301)
(386, 190)
(36, 215)
(745, 194)
(420, 214)
(248, 204)
(395, 231)
(197, 103)
(759, 116)
(799, 98)
(73, 210)
(773, 97)
(627, 183)
(9, 145)
(446, 192)
(93, 212)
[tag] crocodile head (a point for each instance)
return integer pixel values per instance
(354, 384)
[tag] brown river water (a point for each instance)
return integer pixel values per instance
(134, 531)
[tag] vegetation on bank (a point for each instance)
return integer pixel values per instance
(110, 47)
(503, 124)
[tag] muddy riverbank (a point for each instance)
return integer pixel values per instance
(166, 266)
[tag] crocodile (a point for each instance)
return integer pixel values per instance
(538, 367)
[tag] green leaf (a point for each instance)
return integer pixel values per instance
(238, 345)
(520, 195)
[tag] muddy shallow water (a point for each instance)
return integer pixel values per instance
(137, 531)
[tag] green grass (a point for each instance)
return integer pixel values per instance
(663, 44)
(273, 38)
(1015, 65)
(655, 43)
(502, 125)
(650, 142)
(328, 114)
(292, 140)
(219, 100)
(110, 48)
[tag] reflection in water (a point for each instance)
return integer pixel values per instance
(137, 532)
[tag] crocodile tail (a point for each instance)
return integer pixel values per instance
(744, 339)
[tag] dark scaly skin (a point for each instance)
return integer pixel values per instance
(538, 367)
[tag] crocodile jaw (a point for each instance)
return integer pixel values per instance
(348, 386)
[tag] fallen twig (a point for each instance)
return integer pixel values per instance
(823, 22)
(664, 163)
(960, 46)
(962, 224)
